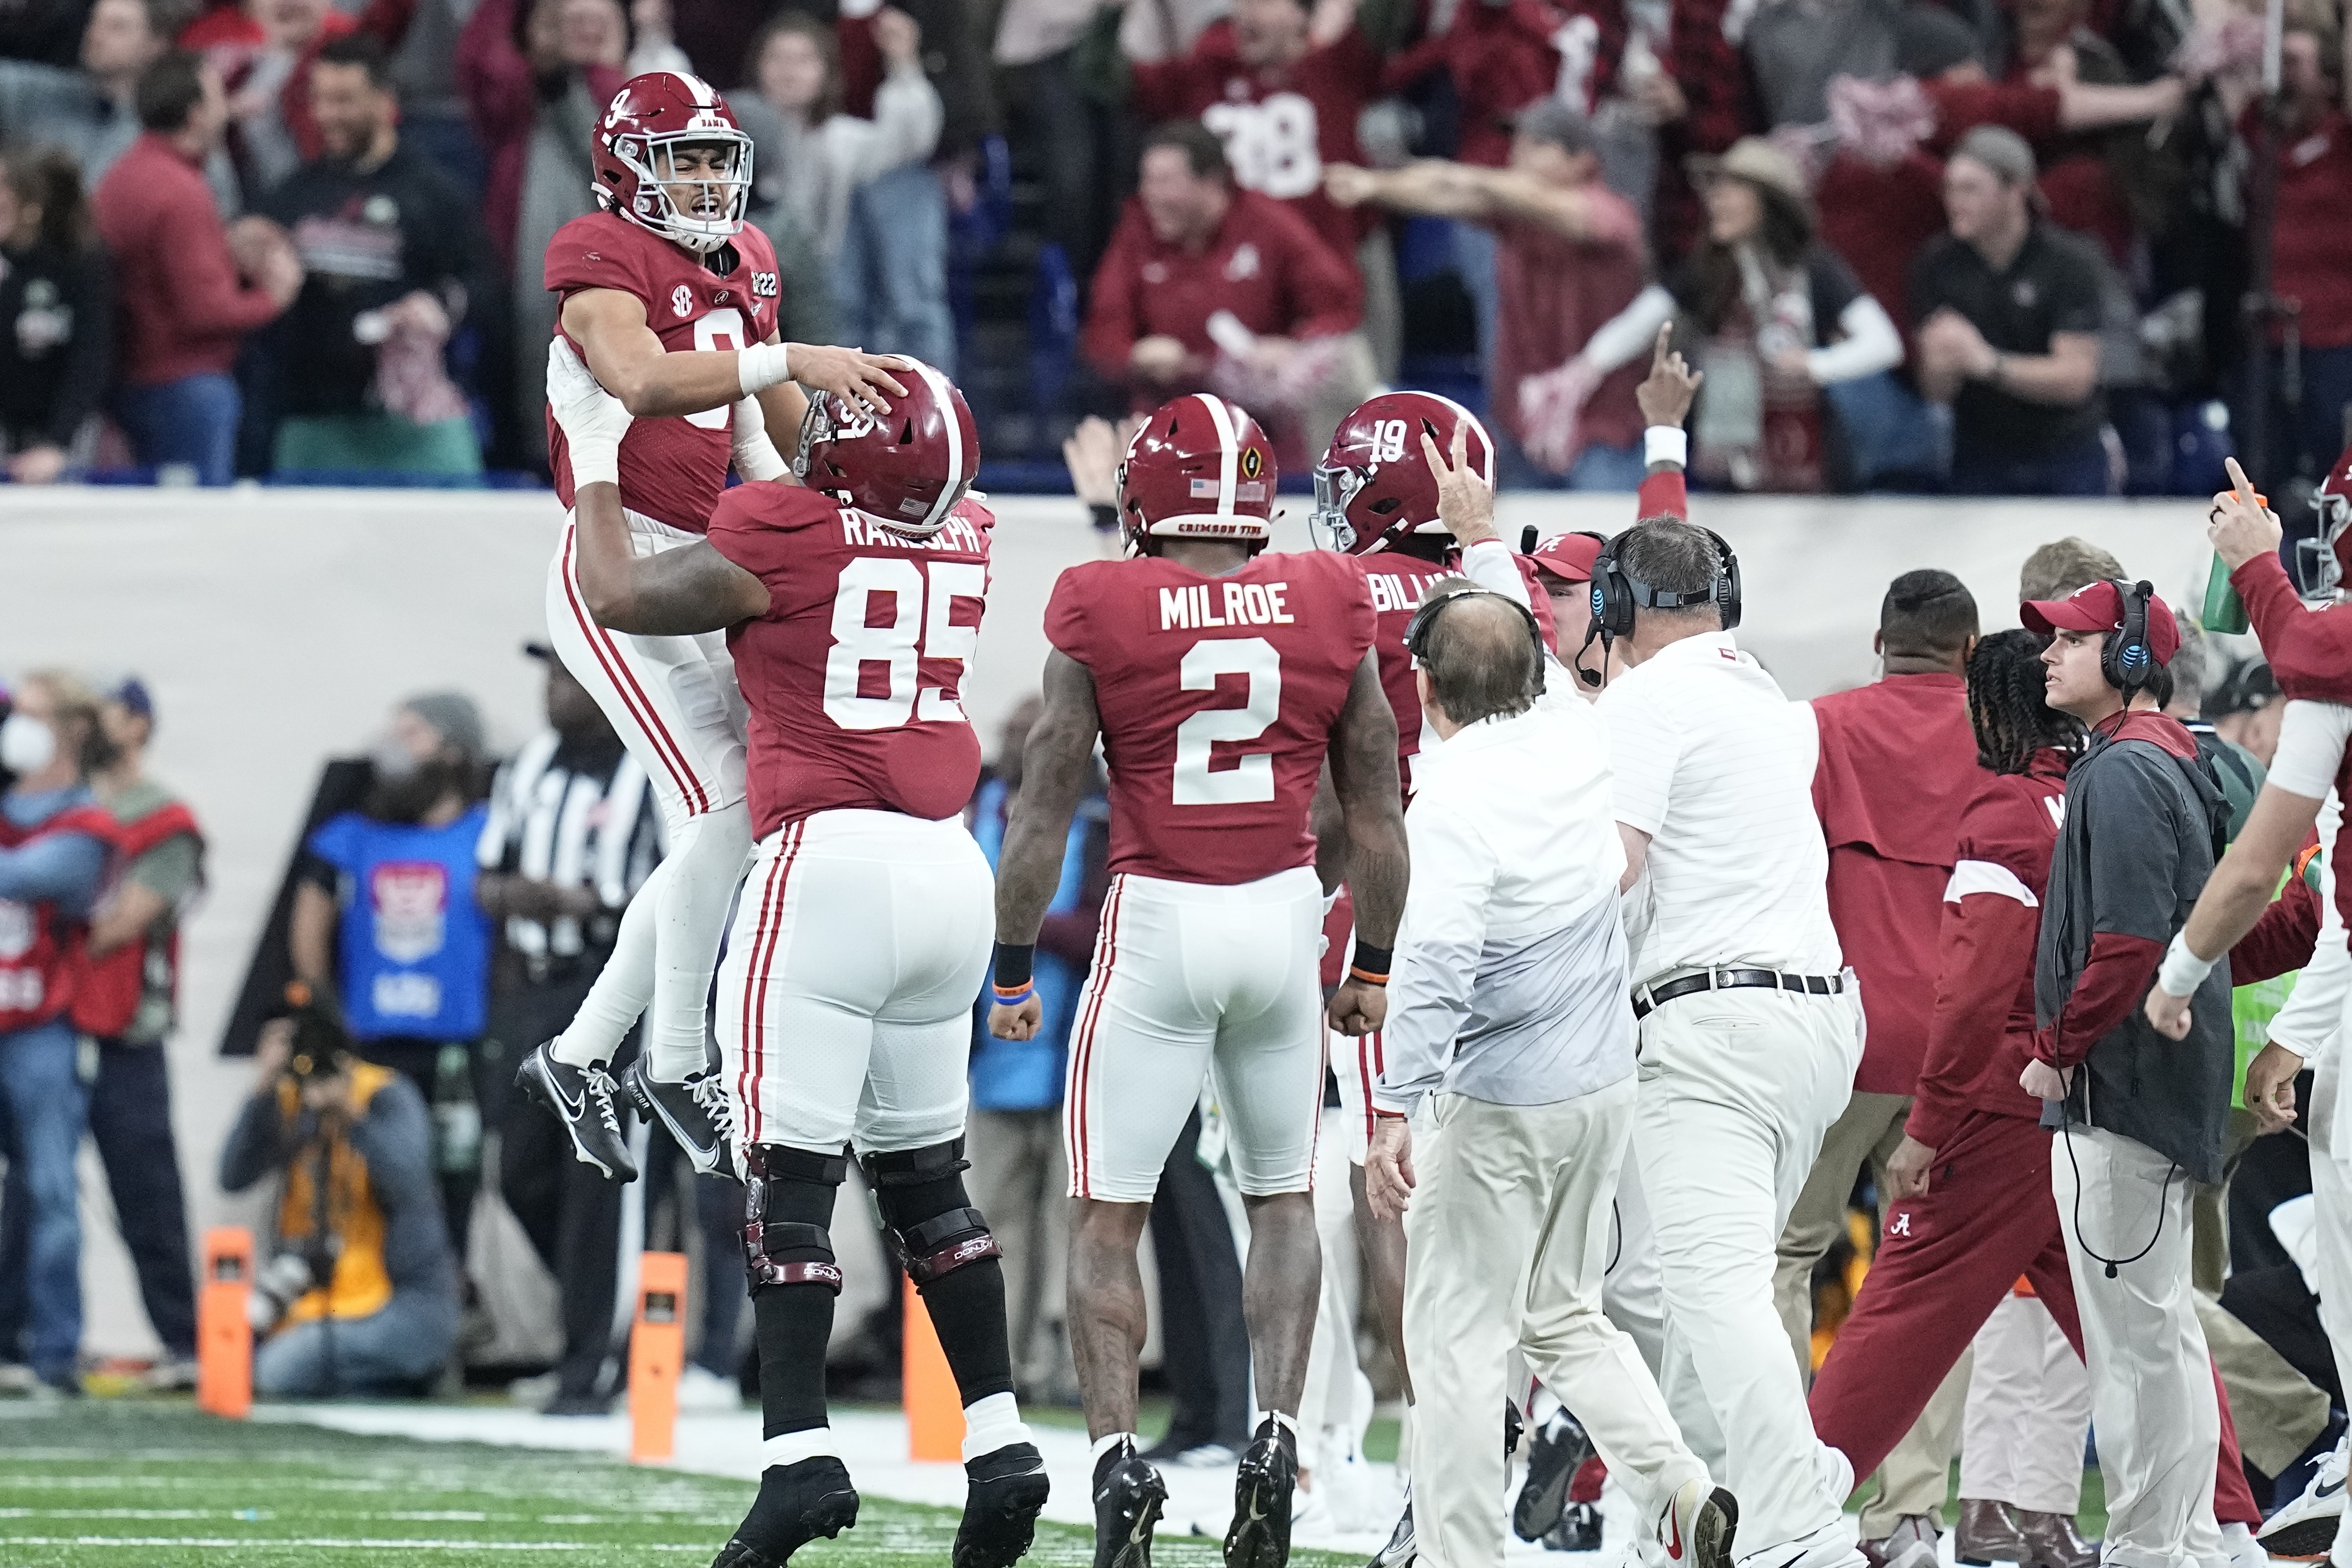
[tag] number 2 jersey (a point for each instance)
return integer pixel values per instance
(672, 470)
(852, 676)
(1217, 697)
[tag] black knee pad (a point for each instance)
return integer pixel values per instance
(788, 1196)
(931, 1225)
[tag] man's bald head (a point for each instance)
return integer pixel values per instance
(1480, 660)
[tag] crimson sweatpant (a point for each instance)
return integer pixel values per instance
(1945, 1260)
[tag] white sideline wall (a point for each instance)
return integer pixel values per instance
(277, 626)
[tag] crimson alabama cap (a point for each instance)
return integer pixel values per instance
(2099, 607)
(1568, 557)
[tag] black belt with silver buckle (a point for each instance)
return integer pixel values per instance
(1648, 999)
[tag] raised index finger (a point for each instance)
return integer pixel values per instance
(1658, 351)
(1437, 464)
(2239, 482)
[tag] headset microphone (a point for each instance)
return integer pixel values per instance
(1528, 539)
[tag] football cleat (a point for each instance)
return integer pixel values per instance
(797, 1504)
(1129, 1496)
(1557, 1451)
(1263, 1485)
(1695, 1527)
(693, 1111)
(582, 1099)
(1003, 1492)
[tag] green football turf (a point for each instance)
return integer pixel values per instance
(142, 1484)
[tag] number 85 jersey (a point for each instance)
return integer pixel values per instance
(1217, 697)
(853, 678)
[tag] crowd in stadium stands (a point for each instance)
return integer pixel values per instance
(1993, 246)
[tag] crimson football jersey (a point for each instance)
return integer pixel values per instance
(672, 470)
(852, 676)
(1397, 582)
(1217, 697)
(1280, 124)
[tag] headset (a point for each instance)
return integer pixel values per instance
(1615, 595)
(1423, 623)
(2124, 658)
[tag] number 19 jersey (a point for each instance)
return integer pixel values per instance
(1217, 697)
(854, 676)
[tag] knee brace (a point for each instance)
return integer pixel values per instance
(931, 1226)
(788, 1196)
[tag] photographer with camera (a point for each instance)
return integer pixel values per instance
(359, 1295)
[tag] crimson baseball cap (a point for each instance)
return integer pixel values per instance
(2099, 607)
(1568, 557)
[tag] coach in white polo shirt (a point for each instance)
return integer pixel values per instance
(1508, 1017)
(1749, 1027)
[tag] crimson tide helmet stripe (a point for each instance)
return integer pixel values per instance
(959, 475)
(1228, 450)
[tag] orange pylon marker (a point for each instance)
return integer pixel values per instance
(224, 1336)
(934, 1408)
(656, 1354)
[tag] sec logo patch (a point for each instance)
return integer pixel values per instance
(681, 300)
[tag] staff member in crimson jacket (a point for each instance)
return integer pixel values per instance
(2140, 1115)
(1895, 767)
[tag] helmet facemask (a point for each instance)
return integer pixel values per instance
(1335, 490)
(2318, 562)
(715, 203)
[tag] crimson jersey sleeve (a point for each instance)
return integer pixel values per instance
(1218, 695)
(854, 677)
(672, 470)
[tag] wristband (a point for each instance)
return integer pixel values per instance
(1665, 443)
(1016, 963)
(1370, 964)
(2182, 970)
(762, 366)
(1381, 1115)
(1005, 998)
(1105, 516)
(594, 463)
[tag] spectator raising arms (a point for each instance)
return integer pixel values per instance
(1283, 89)
(1569, 258)
(1777, 316)
(56, 313)
(811, 158)
(180, 307)
(1207, 285)
(395, 256)
(2008, 308)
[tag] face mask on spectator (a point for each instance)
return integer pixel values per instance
(392, 760)
(27, 743)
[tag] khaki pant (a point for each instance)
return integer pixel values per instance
(1737, 1089)
(2028, 1409)
(1021, 1181)
(1916, 1477)
(1506, 1241)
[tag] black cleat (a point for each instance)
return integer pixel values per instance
(694, 1111)
(582, 1099)
(1556, 1451)
(1579, 1529)
(1003, 1492)
(1399, 1551)
(797, 1504)
(1259, 1536)
(1129, 1496)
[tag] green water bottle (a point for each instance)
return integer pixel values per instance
(2224, 610)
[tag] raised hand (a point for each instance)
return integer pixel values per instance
(1465, 502)
(1665, 393)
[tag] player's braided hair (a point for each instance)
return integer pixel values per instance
(2008, 706)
